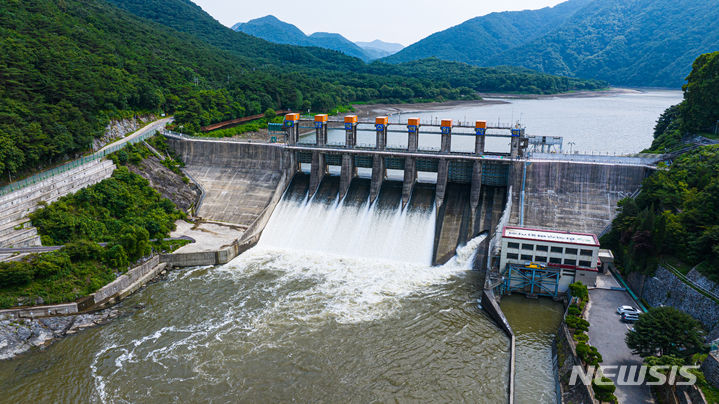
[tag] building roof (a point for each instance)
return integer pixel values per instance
(550, 236)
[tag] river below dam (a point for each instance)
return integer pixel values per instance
(337, 303)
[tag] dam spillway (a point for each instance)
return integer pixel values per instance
(353, 226)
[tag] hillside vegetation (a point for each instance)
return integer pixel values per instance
(477, 40)
(676, 214)
(625, 42)
(123, 211)
(68, 67)
(697, 114)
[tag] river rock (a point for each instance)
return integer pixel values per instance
(19, 336)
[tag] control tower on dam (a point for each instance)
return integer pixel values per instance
(413, 164)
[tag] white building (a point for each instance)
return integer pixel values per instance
(575, 255)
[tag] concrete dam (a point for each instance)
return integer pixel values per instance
(463, 193)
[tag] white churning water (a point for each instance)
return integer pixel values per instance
(360, 260)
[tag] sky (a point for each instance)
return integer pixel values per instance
(402, 21)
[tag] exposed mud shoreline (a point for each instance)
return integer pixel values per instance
(488, 99)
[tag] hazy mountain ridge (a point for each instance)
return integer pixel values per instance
(272, 29)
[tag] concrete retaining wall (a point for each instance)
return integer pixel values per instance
(566, 354)
(127, 280)
(239, 179)
(39, 311)
(490, 305)
(710, 367)
(203, 258)
(15, 206)
(212, 152)
(572, 195)
(121, 287)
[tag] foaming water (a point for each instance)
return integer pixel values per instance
(363, 231)
(290, 324)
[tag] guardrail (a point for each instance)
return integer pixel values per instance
(690, 283)
(16, 186)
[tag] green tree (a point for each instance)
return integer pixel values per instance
(666, 331)
(604, 392)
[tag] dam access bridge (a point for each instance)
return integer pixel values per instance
(475, 168)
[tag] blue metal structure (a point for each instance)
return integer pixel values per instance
(531, 280)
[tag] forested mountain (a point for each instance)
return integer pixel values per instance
(625, 42)
(272, 29)
(481, 38)
(67, 67)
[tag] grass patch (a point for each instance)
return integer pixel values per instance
(249, 127)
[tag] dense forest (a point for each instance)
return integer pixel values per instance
(477, 40)
(625, 42)
(698, 114)
(68, 67)
(676, 215)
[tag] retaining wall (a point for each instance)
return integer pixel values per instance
(490, 305)
(202, 258)
(212, 152)
(239, 179)
(572, 195)
(710, 367)
(126, 281)
(566, 355)
(664, 288)
(15, 206)
(121, 287)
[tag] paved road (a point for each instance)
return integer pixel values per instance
(607, 333)
(157, 125)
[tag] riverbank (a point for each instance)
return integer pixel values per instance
(573, 94)
(487, 99)
(371, 110)
(19, 336)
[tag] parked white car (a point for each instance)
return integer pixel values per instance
(627, 310)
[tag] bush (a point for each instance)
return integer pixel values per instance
(579, 290)
(15, 274)
(605, 392)
(84, 250)
(589, 354)
(116, 257)
(577, 323)
(574, 310)
(581, 337)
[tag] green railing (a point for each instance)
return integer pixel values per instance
(37, 178)
(690, 283)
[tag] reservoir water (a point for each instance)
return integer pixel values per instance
(337, 303)
(619, 123)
